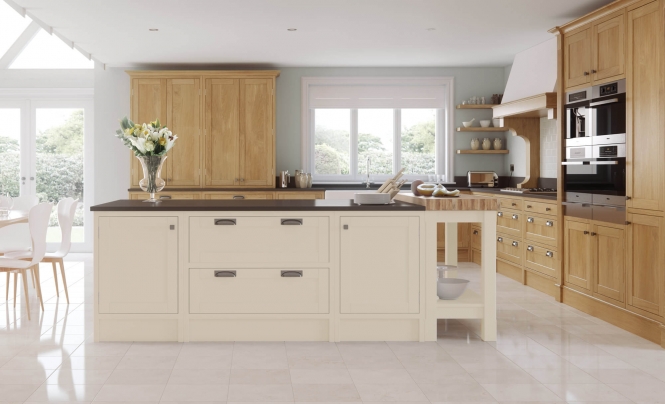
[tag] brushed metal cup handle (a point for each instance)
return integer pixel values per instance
(515, 243)
(549, 254)
(238, 197)
(549, 223)
(225, 222)
(500, 214)
(499, 239)
(529, 248)
(291, 274)
(225, 274)
(291, 222)
(529, 219)
(515, 217)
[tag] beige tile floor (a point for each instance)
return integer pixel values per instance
(545, 353)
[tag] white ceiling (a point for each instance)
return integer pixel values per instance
(330, 32)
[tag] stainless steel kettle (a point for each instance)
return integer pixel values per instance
(284, 178)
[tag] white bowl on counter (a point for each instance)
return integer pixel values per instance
(451, 288)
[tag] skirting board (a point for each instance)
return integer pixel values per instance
(540, 282)
(622, 318)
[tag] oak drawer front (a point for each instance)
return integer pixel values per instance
(541, 229)
(509, 248)
(540, 207)
(476, 237)
(509, 222)
(541, 259)
(280, 239)
(258, 291)
(510, 203)
(238, 195)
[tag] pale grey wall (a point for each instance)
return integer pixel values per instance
(112, 103)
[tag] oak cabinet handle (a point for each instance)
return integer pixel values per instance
(549, 254)
(549, 223)
(499, 239)
(475, 232)
(529, 219)
(515, 217)
(529, 248)
(593, 234)
(586, 232)
(529, 206)
(500, 214)
(515, 243)
(548, 209)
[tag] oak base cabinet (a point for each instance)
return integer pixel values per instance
(578, 247)
(645, 263)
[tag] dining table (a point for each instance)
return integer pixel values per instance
(14, 218)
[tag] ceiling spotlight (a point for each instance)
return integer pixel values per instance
(431, 29)
(153, 29)
(292, 29)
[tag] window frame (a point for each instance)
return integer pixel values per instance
(444, 127)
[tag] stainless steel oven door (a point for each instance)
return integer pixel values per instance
(603, 176)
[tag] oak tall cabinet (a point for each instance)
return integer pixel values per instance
(225, 122)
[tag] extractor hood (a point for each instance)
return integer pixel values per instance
(530, 92)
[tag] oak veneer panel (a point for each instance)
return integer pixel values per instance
(577, 57)
(183, 118)
(541, 229)
(463, 202)
(578, 253)
(542, 259)
(148, 102)
(609, 47)
(645, 263)
(645, 117)
(610, 262)
(510, 222)
(257, 138)
(222, 117)
(509, 248)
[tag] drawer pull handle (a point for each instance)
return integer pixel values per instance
(549, 254)
(529, 248)
(593, 234)
(515, 243)
(225, 274)
(165, 197)
(475, 232)
(548, 209)
(529, 219)
(238, 197)
(499, 239)
(513, 204)
(528, 206)
(515, 217)
(586, 232)
(291, 222)
(549, 223)
(500, 214)
(291, 274)
(225, 222)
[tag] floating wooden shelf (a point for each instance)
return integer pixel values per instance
(477, 106)
(481, 129)
(482, 151)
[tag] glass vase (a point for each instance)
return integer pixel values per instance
(152, 171)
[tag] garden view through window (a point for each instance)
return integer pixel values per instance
(342, 136)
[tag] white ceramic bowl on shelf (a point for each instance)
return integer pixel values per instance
(451, 288)
(485, 123)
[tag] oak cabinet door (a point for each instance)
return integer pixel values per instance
(645, 263)
(148, 104)
(609, 48)
(610, 262)
(380, 265)
(645, 117)
(577, 57)
(257, 134)
(579, 253)
(222, 125)
(183, 118)
(138, 265)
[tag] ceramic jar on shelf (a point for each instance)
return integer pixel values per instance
(498, 143)
(475, 143)
(487, 144)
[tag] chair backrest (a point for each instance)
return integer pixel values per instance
(38, 222)
(25, 203)
(6, 202)
(66, 212)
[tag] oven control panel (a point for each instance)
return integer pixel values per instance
(609, 89)
(608, 151)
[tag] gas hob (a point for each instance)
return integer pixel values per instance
(541, 191)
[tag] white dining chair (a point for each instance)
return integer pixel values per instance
(66, 212)
(38, 224)
(17, 236)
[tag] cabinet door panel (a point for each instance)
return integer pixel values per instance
(148, 104)
(578, 254)
(610, 263)
(645, 263)
(645, 119)
(380, 265)
(222, 117)
(134, 278)
(608, 48)
(183, 102)
(256, 133)
(577, 58)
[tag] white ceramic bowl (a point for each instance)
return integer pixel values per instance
(467, 124)
(485, 123)
(451, 288)
(496, 122)
(371, 199)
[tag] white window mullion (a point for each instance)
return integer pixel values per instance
(441, 144)
(353, 158)
(397, 140)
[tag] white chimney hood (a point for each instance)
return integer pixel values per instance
(531, 87)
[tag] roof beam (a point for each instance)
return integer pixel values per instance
(17, 47)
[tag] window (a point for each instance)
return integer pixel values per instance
(384, 125)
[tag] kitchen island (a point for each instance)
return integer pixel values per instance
(266, 270)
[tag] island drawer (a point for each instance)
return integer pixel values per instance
(231, 239)
(508, 248)
(542, 259)
(541, 229)
(540, 207)
(510, 203)
(509, 222)
(258, 291)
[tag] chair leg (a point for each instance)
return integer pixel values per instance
(7, 289)
(25, 291)
(32, 276)
(64, 279)
(35, 269)
(15, 281)
(55, 278)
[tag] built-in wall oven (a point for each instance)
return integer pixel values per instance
(595, 164)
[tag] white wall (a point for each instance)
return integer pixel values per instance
(112, 103)
(548, 148)
(47, 78)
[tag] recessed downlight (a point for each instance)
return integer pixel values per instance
(292, 29)
(153, 29)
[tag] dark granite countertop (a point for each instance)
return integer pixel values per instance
(126, 205)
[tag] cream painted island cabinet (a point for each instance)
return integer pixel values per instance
(263, 270)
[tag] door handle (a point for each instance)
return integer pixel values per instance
(586, 232)
(610, 101)
(238, 197)
(529, 219)
(499, 239)
(549, 254)
(225, 222)
(291, 274)
(529, 248)
(225, 274)
(549, 223)
(475, 232)
(515, 243)
(593, 234)
(500, 214)
(291, 222)
(515, 217)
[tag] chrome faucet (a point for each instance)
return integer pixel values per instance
(368, 182)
